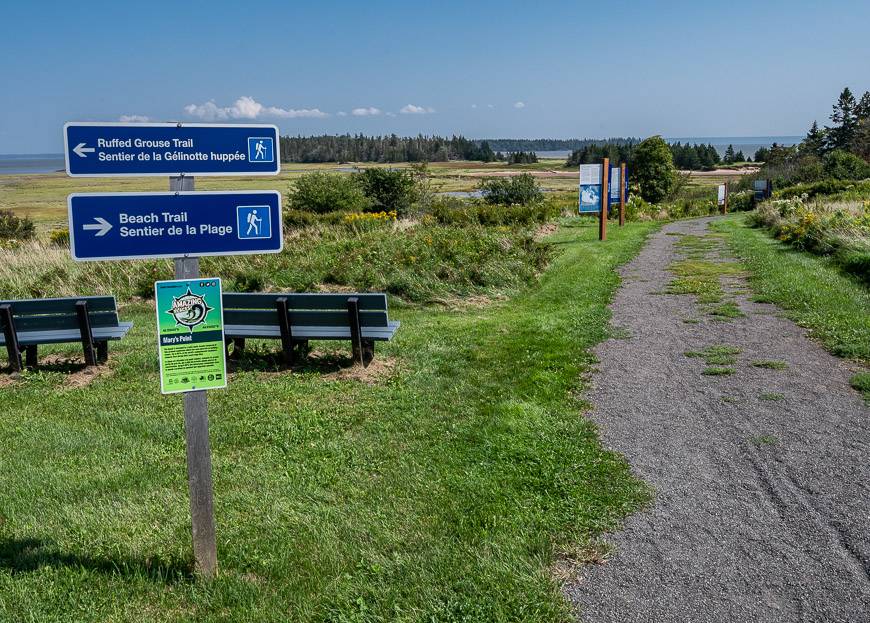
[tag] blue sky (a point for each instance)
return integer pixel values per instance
(483, 69)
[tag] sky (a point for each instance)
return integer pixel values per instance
(481, 69)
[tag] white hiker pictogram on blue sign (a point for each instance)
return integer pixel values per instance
(254, 222)
(261, 149)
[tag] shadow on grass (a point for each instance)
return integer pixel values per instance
(28, 555)
(316, 361)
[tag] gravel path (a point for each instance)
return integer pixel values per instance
(761, 478)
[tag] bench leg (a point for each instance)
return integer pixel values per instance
(368, 352)
(32, 355)
(283, 311)
(85, 331)
(301, 348)
(103, 351)
(238, 346)
(11, 336)
(355, 330)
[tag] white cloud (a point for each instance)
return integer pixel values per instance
(371, 111)
(248, 108)
(519, 105)
(341, 113)
(390, 114)
(490, 106)
(133, 119)
(411, 109)
(474, 105)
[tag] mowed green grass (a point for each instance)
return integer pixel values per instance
(811, 289)
(441, 492)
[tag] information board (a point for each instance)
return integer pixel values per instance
(190, 335)
(721, 195)
(590, 188)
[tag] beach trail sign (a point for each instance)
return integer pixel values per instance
(94, 149)
(117, 226)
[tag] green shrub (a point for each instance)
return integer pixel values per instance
(742, 201)
(13, 227)
(520, 190)
(653, 169)
(298, 218)
(842, 165)
(455, 211)
(388, 190)
(59, 237)
(320, 193)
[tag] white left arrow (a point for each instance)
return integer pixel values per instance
(102, 226)
(82, 151)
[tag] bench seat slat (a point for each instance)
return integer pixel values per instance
(309, 333)
(325, 301)
(303, 318)
(61, 305)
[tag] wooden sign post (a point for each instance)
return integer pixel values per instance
(605, 199)
(622, 182)
(725, 207)
(198, 448)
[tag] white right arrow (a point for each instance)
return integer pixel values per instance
(82, 151)
(102, 226)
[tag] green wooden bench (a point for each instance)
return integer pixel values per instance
(91, 320)
(297, 318)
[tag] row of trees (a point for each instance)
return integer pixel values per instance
(392, 148)
(840, 150)
(552, 144)
(688, 157)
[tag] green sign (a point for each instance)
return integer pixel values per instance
(190, 335)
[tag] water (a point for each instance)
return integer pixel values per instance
(19, 164)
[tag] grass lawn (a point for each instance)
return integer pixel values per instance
(441, 492)
(814, 292)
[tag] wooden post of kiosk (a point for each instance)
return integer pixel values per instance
(622, 182)
(605, 199)
(725, 206)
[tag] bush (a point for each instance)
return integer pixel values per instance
(653, 169)
(742, 201)
(298, 218)
(520, 190)
(320, 193)
(636, 209)
(13, 227)
(388, 190)
(455, 211)
(59, 238)
(842, 165)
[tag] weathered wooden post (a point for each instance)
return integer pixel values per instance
(605, 199)
(622, 183)
(199, 480)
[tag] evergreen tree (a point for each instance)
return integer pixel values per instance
(845, 119)
(729, 155)
(814, 143)
(739, 157)
(862, 111)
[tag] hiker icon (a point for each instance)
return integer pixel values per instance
(253, 222)
(261, 149)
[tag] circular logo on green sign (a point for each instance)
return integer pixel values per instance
(189, 310)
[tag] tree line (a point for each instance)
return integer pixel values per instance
(392, 148)
(689, 157)
(840, 150)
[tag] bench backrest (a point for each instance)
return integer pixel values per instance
(60, 313)
(311, 310)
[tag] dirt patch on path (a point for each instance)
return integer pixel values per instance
(761, 474)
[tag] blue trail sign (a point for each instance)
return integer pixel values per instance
(121, 226)
(125, 149)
